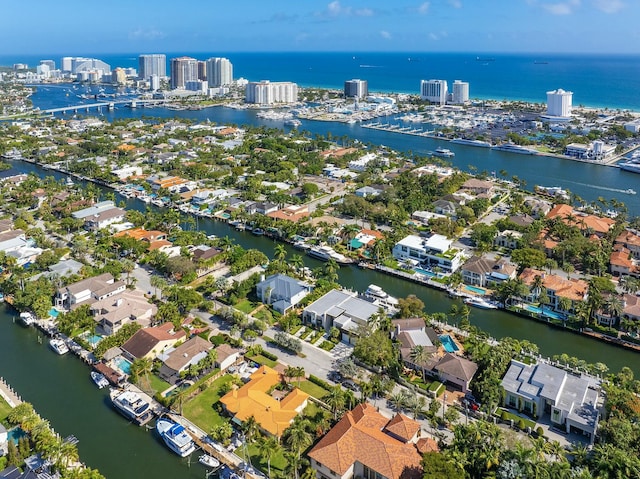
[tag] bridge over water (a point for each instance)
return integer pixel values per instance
(106, 104)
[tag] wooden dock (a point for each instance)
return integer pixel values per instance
(9, 394)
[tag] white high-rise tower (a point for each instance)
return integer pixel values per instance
(559, 102)
(219, 72)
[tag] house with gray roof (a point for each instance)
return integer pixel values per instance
(456, 371)
(484, 271)
(178, 359)
(571, 401)
(342, 309)
(414, 332)
(282, 292)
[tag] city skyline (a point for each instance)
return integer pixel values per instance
(567, 26)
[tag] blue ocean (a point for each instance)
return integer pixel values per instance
(596, 80)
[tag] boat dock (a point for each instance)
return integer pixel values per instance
(8, 394)
(406, 130)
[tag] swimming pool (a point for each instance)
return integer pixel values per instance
(425, 272)
(53, 312)
(15, 434)
(547, 312)
(94, 339)
(447, 342)
(123, 365)
(475, 289)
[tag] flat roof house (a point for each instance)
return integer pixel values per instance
(433, 250)
(539, 389)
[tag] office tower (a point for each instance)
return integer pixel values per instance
(202, 70)
(219, 72)
(460, 92)
(183, 69)
(50, 63)
(559, 102)
(434, 91)
(356, 88)
(267, 93)
(118, 76)
(153, 64)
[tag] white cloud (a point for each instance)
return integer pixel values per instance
(561, 8)
(609, 6)
(334, 8)
(364, 12)
(424, 8)
(434, 36)
(146, 34)
(455, 3)
(385, 34)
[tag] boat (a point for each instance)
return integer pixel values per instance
(258, 232)
(59, 346)
(465, 141)
(485, 59)
(293, 122)
(1, 297)
(99, 379)
(480, 303)
(555, 191)
(175, 436)
(513, 148)
(131, 406)
(209, 461)
(227, 473)
(630, 191)
(27, 318)
(69, 182)
(380, 297)
(632, 165)
(325, 253)
(444, 153)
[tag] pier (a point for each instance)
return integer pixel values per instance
(9, 394)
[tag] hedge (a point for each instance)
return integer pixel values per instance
(269, 355)
(319, 382)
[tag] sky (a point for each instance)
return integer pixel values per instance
(165, 26)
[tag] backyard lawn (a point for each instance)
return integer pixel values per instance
(278, 462)
(260, 359)
(199, 410)
(5, 409)
(312, 389)
(246, 306)
(157, 384)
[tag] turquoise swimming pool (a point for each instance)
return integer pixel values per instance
(123, 365)
(448, 343)
(475, 289)
(54, 313)
(424, 272)
(546, 312)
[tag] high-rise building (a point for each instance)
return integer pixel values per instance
(267, 93)
(50, 63)
(153, 64)
(154, 82)
(183, 69)
(66, 64)
(219, 72)
(559, 102)
(356, 88)
(118, 76)
(434, 91)
(202, 70)
(460, 92)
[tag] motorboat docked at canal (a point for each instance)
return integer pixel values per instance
(513, 148)
(632, 165)
(131, 406)
(59, 346)
(326, 253)
(465, 141)
(554, 191)
(380, 297)
(99, 379)
(295, 123)
(209, 461)
(27, 318)
(175, 436)
(480, 303)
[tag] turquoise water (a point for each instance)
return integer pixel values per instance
(425, 272)
(94, 339)
(546, 312)
(123, 365)
(54, 313)
(448, 343)
(15, 434)
(476, 290)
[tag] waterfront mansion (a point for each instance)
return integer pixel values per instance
(430, 251)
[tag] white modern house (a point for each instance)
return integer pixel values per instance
(434, 250)
(539, 389)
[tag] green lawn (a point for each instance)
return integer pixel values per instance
(278, 462)
(157, 384)
(5, 409)
(509, 415)
(312, 389)
(260, 359)
(199, 410)
(245, 306)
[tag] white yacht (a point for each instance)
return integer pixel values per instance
(27, 318)
(444, 153)
(209, 461)
(380, 297)
(552, 191)
(513, 148)
(175, 437)
(99, 379)
(480, 303)
(465, 141)
(325, 253)
(293, 122)
(59, 346)
(131, 406)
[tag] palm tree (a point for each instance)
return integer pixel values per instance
(280, 252)
(268, 446)
(296, 261)
(398, 400)
(536, 286)
(419, 356)
(298, 438)
(335, 400)
(250, 429)
(158, 283)
(294, 461)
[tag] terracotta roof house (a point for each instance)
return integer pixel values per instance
(253, 399)
(149, 342)
(176, 360)
(631, 307)
(556, 287)
(598, 225)
(620, 262)
(364, 443)
(456, 370)
(631, 241)
(478, 186)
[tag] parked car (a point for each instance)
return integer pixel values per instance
(349, 384)
(334, 376)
